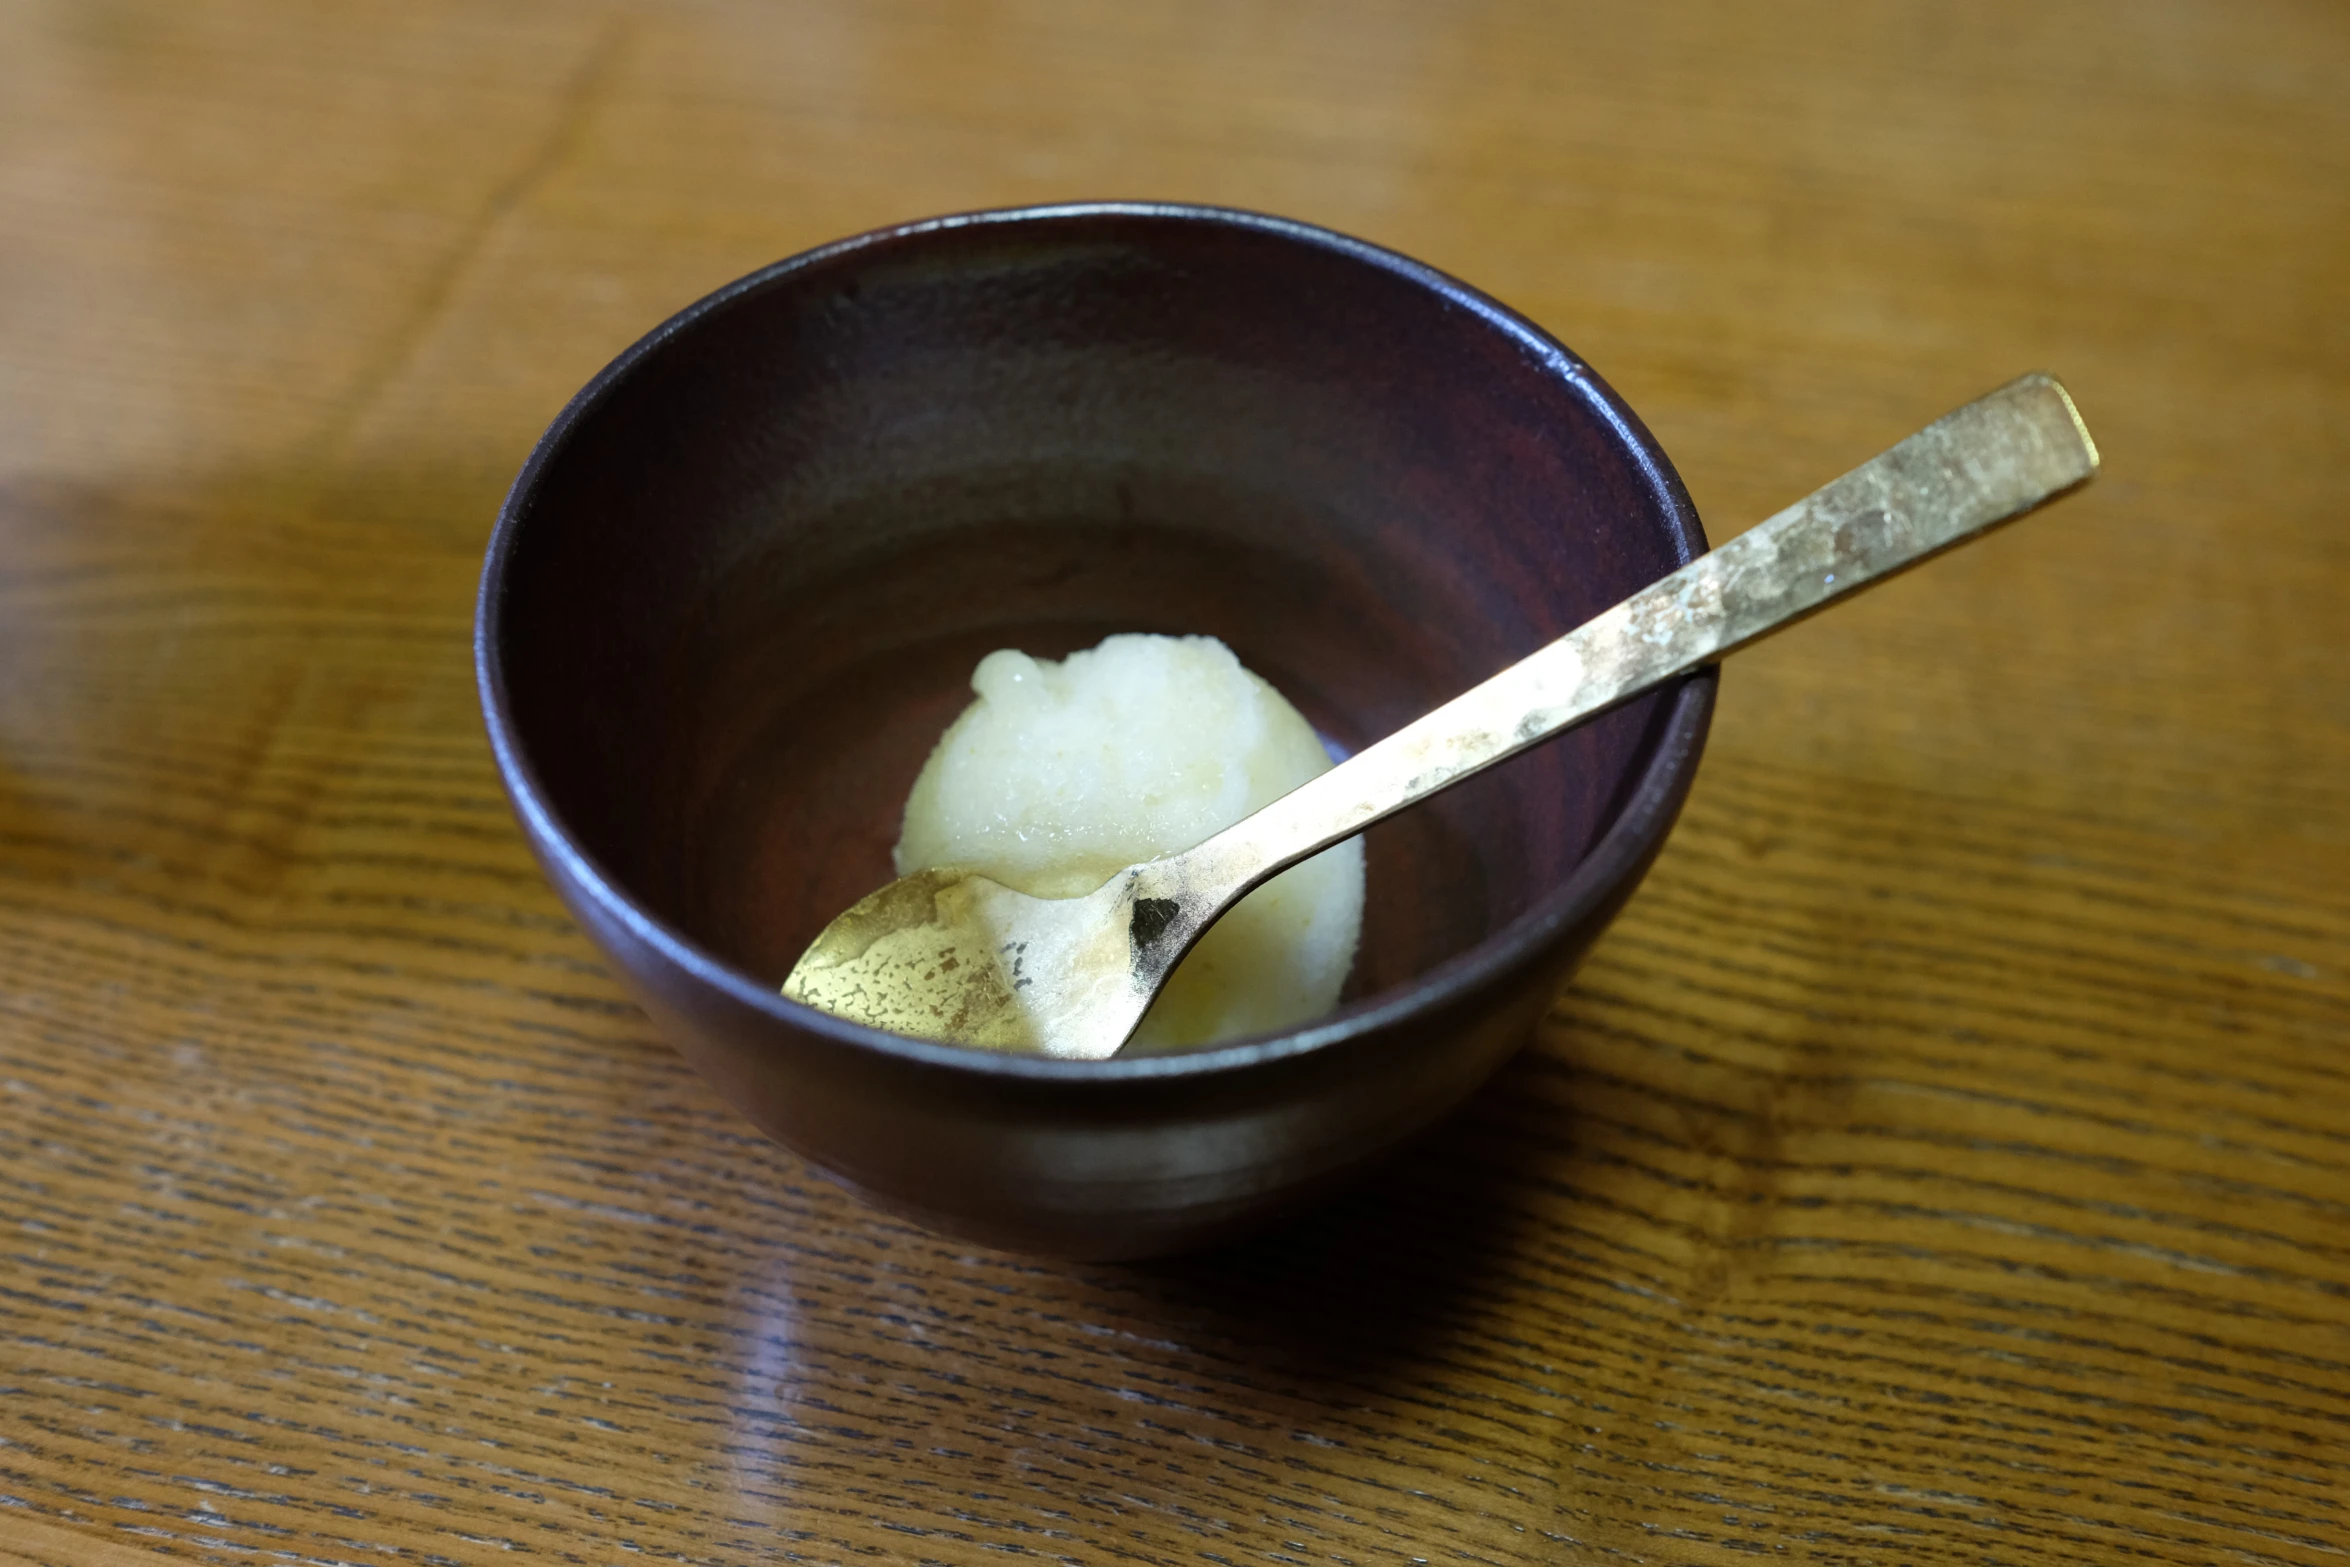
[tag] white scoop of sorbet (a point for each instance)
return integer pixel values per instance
(1061, 775)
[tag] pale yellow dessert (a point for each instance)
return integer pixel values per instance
(1062, 774)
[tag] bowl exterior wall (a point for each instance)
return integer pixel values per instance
(1102, 1171)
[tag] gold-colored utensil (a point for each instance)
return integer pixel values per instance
(949, 954)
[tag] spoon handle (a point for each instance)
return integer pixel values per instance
(1985, 464)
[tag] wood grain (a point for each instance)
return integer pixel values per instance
(1946, 1159)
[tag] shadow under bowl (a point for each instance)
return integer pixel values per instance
(739, 588)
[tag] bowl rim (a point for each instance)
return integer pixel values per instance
(1650, 805)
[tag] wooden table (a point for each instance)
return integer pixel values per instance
(1946, 1159)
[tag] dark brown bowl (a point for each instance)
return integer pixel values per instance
(739, 588)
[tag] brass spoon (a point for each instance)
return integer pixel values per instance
(949, 954)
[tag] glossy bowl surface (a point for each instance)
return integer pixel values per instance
(739, 587)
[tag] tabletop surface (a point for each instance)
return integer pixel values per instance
(1945, 1158)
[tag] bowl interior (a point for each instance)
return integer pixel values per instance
(749, 580)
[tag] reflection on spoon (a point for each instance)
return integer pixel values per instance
(949, 954)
